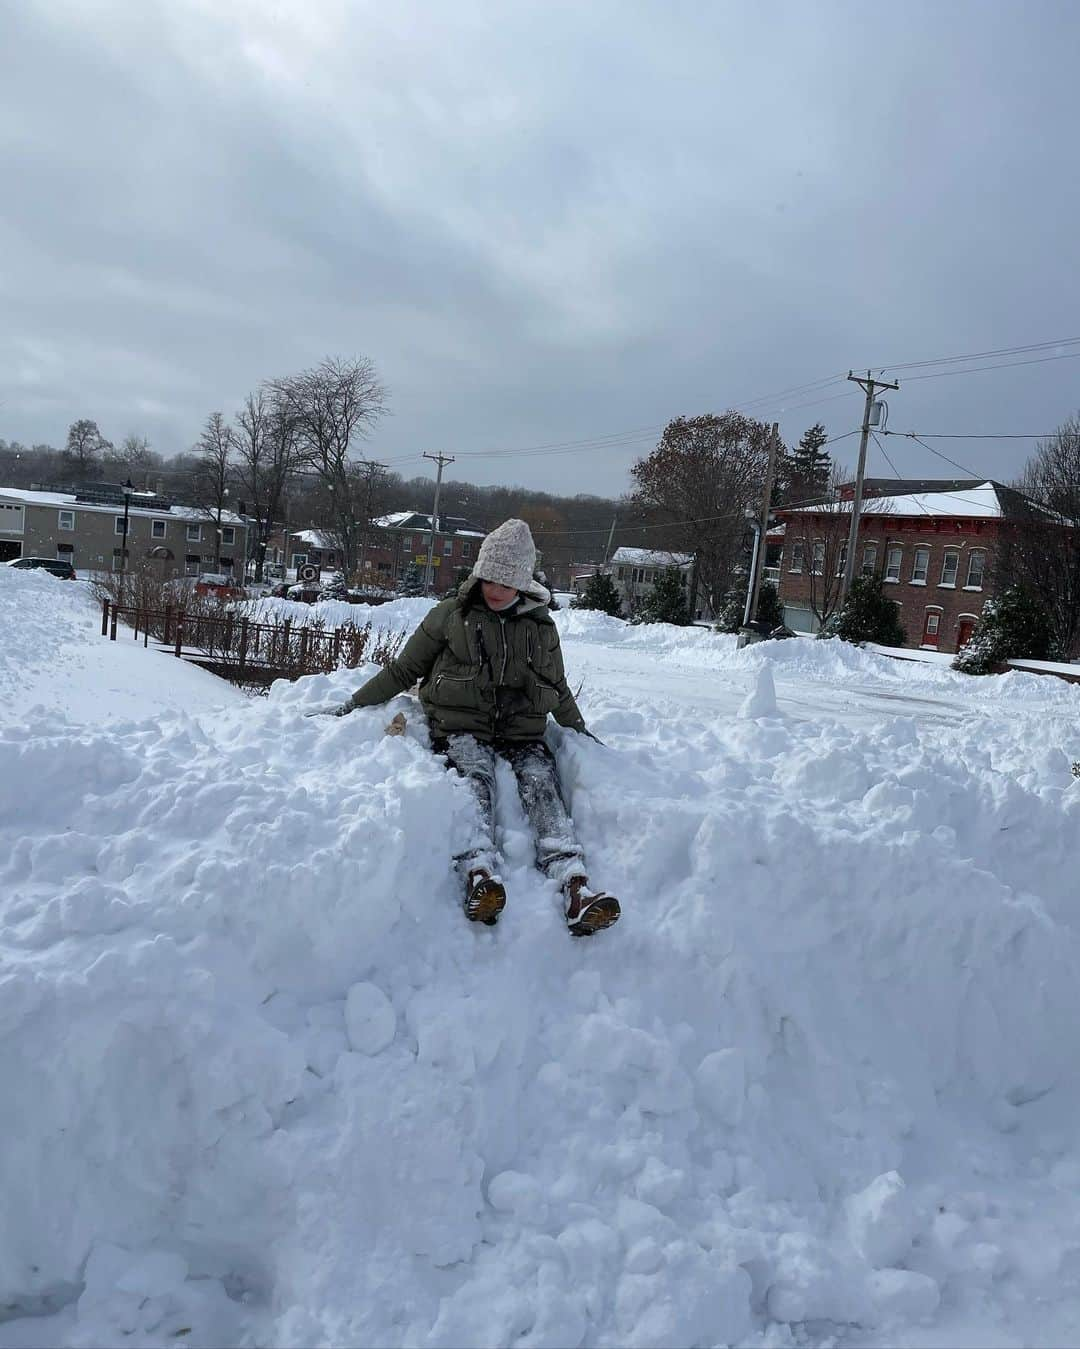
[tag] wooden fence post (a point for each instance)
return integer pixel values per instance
(243, 642)
(112, 626)
(179, 632)
(105, 618)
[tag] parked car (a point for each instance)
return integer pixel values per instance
(64, 570)
(217, 583)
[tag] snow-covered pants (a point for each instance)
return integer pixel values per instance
(558, 853)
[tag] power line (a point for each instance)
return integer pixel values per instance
(1007, 365)
(982, 355)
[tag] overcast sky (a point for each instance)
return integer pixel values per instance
(544, 222)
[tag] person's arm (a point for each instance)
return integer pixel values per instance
(414, 663)
(567, 713)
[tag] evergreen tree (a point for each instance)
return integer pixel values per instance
(1013, 624)
(868, 615)
(666, 601)
(809, 466)
(769, 611)
(600, 593)
(334, 587)
(769, 608)
(412, 583)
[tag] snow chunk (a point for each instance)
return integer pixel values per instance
(761, 701)
(883, 1221)
(370, 1020)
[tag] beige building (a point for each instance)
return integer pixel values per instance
(86, 528)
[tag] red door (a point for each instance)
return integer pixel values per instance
(964, 629)
(931, 628)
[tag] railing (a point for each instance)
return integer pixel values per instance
(247, 652)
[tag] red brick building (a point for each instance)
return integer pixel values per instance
(935, 548)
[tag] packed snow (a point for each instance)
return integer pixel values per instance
(265, 1085)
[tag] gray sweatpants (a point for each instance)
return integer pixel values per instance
(558, 853)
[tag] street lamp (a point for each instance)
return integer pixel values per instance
(129, 487)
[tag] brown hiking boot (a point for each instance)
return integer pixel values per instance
(588, 911)
(485, 897)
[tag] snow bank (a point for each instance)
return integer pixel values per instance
(52, 656)
(265, 1084)
(391, 616)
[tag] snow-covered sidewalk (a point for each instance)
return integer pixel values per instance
(265, 1085)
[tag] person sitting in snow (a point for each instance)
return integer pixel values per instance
(491, 671)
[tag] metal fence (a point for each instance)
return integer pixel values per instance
(251, 653)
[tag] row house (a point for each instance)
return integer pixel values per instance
(88, 528)
(636, 570)
(935, 550)
(396, 541)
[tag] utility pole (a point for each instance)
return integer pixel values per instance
(870, 385)
(442, 460)
(758, 563)
(610, 537)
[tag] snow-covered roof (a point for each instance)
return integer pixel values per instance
(69, 501)
(314, 538)
(982, 502)
(418, 520)
(650, 557)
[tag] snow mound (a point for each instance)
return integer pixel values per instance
(267, 1085)
(391, 616)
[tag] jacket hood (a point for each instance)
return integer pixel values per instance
(534, 596)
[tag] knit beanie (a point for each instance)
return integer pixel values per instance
(507, 556)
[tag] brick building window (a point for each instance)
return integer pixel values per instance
(841, 559)
(920, 567)
(228, 536)
(65, 552)
(194, 533)
(466, 548)
(976, 568)
(819, 557)
(118, 525)
(796, 557)
(949, 567)
(869, 559)
(894, 559)
(448, 547)
(66, 520)
(158, 529)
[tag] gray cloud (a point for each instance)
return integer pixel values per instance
(543, 222)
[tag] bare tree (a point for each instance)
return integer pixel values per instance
(213, 475)
(815, 542)
(267, 452)
(85, 448)
(331, 407)
(704, 475)
(1041, 551)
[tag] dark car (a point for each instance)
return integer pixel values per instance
(64, 570)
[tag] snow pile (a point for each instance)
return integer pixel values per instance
(391, 616)
(53, 656)
(266, 1085)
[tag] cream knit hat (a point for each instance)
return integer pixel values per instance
(507, 556)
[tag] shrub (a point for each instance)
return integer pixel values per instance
(1012, 624)
(600, 593)
(868, 615)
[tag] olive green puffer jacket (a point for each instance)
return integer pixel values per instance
(494, 676)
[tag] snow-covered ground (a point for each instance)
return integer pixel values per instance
(264, 1085)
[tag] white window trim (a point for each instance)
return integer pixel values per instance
(915, 579)
(118, 526)
(893, 548)
(798, 559)
(815, 569)
(164, 529)
(975, 552)
(868, 570)
(195, 537)
(60, 520)
(228, 534)
(949, 585)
